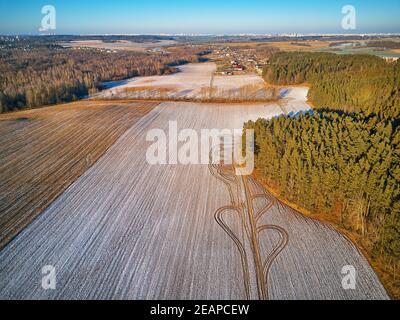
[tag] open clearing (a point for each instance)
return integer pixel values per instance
(194, 81)
(119, 45)
(299, 45)
(294, 45)
(349, 48)
(42, 151)
(130, 230)
(283, 45)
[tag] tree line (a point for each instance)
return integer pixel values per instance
(351, 83)
(49, 75)
(344, 165)
(343, 158)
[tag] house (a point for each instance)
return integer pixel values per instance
(390, 59)
(238, 67)
(259, 68)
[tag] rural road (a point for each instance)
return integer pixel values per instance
(130, 230)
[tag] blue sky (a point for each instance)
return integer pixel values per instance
(201, 16)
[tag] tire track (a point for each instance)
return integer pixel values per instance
(249, 221)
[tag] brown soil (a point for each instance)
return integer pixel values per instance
(43, 151)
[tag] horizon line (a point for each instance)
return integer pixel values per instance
(290, 34)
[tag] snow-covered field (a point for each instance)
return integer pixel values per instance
(194, 80)
(130, 230)
(294, 99)
(118, 45)
(127, 229)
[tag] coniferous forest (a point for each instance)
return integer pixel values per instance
(352, 83)
(342, 159)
